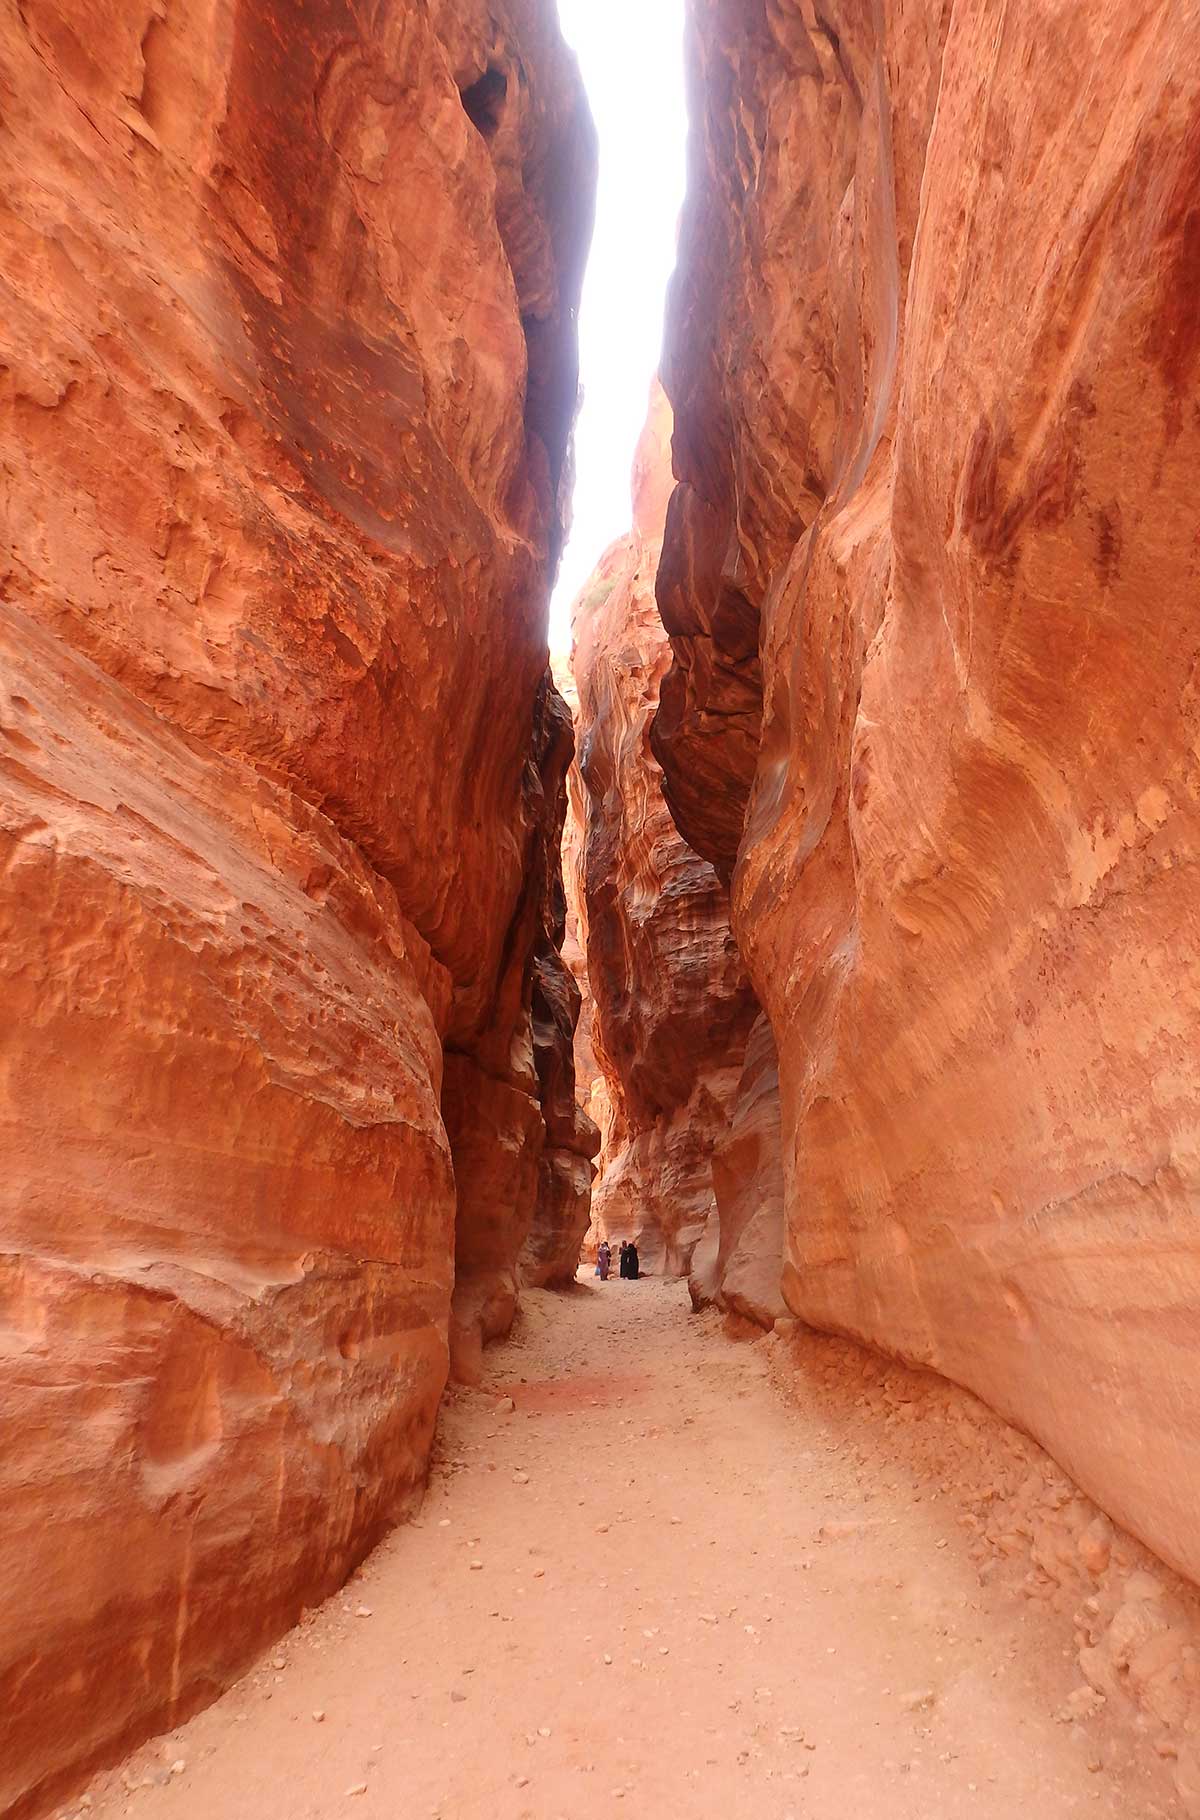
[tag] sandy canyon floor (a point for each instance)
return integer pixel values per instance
(681, 1576)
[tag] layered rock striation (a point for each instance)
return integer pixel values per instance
(933, 356)
(286, 385)
(671, 1003)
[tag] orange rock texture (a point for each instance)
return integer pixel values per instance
(934, 354)
(672, 1005)
(591, 1088)
(562, 1210)
(739, 1261)
(286, 383)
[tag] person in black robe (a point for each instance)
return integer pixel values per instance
(624, 1258)
(631, 1262)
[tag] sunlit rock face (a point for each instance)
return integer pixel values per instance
(286, 384)
(933, 352)
(672, 1005)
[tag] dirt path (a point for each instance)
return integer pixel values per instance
(653, 1589)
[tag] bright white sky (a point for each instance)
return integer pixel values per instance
(631, 54)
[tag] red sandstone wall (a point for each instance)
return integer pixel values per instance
(672, 1006)
(286, 382)
(562, 1210)
(934, 357)
(591, 1087)
(739, 1262)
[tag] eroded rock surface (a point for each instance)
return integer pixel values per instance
(522, 1148)
(739, 1262)
(286, 384)
(591, 1086)
(933, 354)
(562, 1211)
(672, 1005)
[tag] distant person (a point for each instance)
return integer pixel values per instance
(631, 1262)
(603, 1261)
(624, 1258)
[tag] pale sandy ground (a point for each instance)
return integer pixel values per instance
(656, 1626)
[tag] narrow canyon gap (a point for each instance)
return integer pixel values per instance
(880, 874)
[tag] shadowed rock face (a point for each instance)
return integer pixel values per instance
(563, 1212)
(739, 1261)
(934, 376)
(672, 1005)
(286, 385)
(522, 1149)
(591, 1088)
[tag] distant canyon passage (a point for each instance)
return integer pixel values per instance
(883, 797)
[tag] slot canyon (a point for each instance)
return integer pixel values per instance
(824, 924)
